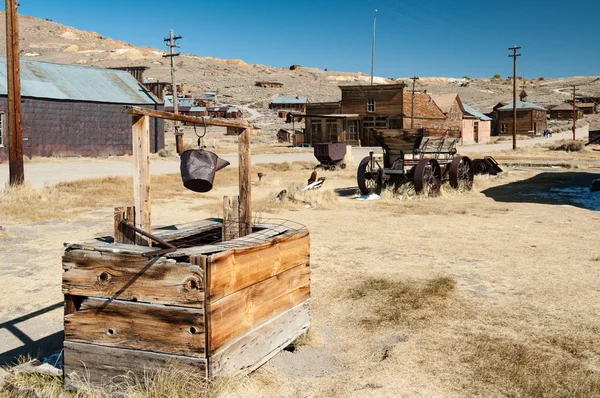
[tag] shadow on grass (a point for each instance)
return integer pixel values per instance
(560, 188)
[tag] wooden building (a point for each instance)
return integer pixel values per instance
(228, 112)
(531, 119)
(453, 109)
(73, 110)
(289, 103)
(564, 112)
(476, 127)
(135, 71)
(588, 108)
(269, 84)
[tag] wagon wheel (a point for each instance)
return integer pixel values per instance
(428, 175)
(480, 166)
(368, 179)
(461, 173)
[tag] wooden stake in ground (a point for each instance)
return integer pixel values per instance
(15, 129)
(141, 173)
(245, 183)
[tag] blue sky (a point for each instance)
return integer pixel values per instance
(414, 37)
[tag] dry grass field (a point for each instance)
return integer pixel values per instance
(488, 293)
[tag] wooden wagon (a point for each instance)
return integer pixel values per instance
(411, 155)
(215, 296)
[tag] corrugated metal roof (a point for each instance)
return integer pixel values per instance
(77, 83)
(289, 100)
(522, 105)
(476, 113)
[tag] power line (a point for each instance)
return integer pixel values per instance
(514, 56)
(171, 44)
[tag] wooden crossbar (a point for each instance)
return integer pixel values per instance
(209, 121)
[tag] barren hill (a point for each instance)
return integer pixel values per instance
(234, 80)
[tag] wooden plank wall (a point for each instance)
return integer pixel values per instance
(246, 289)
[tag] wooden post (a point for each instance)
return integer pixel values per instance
(141, 173)
(231, 218)
(245, 183)
(15, 129)
(124, 235)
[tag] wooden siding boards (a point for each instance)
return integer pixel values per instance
(528, 120)
(388, 99)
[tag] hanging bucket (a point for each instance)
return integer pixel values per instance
(198, 169)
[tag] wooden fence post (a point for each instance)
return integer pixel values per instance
(231, 218)
(124, 235)
(245, 183)
(141, 173)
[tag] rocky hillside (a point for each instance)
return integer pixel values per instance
(234, 80)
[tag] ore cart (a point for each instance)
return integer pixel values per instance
(330, 154)
(411, 155)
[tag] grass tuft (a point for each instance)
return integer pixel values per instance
(567, 146)
(529, 369)
(393, 303)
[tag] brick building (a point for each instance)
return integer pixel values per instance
(70, 110)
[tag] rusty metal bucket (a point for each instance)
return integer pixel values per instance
(198, 169)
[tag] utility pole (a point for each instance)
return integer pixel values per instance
(373, 48)
(514, 56)
(574, 111)
(412, 108)
(171, 44)
(13, 69)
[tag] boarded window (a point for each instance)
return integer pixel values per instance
(371, 105)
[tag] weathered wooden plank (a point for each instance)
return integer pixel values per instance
(234, 270)
(130, 277)
(240, 312)
(107, 247)
(264, 236)
(141, 174)
(140, 326)
(176, 232)
(101, 365)
(245, 183)
(231, 218)
(136, 110)
(123, 234)
(253, 349)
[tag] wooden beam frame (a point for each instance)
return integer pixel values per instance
(136, 110)
(141, 163)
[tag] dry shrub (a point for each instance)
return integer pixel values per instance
(567, 146)
(394, 303)
(317, 199)
(527, 369)
(170, 382)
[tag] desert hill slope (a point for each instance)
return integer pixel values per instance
(46, 40)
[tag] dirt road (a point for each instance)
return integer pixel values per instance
(69, 169)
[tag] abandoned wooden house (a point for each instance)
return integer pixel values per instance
(476, 127)
(531, 119)
(73, 110)
(588, 108)
(269, 84)
(564, 112)
(289, 103)
(364, 109)
(453, 109)
(228, 112)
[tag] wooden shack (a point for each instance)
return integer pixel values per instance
(214, 297)
(269, 84)
(531, 119)
(564, 112)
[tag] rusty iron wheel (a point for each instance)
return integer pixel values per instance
(461, 173)
(368, 179)
(428, 177)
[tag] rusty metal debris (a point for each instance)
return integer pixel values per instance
(487, 165)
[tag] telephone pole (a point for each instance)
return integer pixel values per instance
(412, 108)
(13, 69)
(514, 56)
(171, 44)
(574, 111)
(373, 48)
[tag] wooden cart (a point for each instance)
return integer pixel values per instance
(413, 156)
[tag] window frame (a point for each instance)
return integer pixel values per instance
(371, 105)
